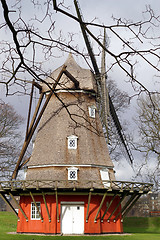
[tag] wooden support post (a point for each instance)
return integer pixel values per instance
(9, 204)
(141, 189)
(57, 206)
(117, 206)
(100, 206)
(128, 209)
(89, 199)
(131, 190)
(37, 185)
(19, 206)
(125, 206)
(34, 122)
(121, 190)
(44, 199)
(36, 206)
(108, 207)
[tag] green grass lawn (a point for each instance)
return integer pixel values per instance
(141, 229)
(142, 225)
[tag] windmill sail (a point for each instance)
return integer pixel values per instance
(100, 99)
(105, 98)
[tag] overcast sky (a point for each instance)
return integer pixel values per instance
(103, 10)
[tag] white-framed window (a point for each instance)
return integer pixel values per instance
(105, 177)
(72, 173)
(34, 213)
(72, 142)
(92, 111)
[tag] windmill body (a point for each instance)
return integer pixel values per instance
(70, 185)
(70, 117)
(70, 148)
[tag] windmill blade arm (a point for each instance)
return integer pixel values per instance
(98, 79)
(114, 114)
(119, 130)
(86, 39)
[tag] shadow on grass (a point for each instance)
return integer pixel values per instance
(142, 225)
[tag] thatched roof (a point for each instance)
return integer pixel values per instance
(84, 76)
(56, 125)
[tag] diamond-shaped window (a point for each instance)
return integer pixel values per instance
(72, 142)
(72, 173)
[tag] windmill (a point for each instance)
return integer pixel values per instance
(70, 185)
(103, 98)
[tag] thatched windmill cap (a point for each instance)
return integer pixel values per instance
(83, 76)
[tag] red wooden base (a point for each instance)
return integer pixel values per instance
(54, 226)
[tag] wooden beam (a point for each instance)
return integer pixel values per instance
(88, 45)
(117, 206)
(44, 199)
(9, 204)
(36, 206)
(57, 206)
(110, 203)
(121, 190)
(126, 205)
(27, 141)
(38, 86)
(89, 199)
(36, 112)
(30, 107)
(100, 206)
(76, 83)
(33, 128)
(59, 193)
(141, 189)
(34, 124)
(129, 208)
(19, 206)
(24, 163)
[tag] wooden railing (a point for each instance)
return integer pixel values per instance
(63, 184)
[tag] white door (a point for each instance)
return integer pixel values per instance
(72, 219)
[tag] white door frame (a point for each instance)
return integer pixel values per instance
(64, 203)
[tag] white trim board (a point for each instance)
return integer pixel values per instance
(71, 203)
(69, 165)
